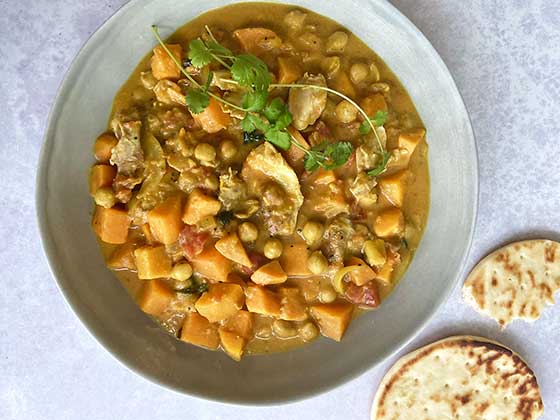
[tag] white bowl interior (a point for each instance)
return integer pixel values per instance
(64, 210)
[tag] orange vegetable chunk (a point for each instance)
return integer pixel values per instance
(199, 331)
(271, 273)
(333, 318)
(294, 259)
(199, 206)
(262, 301)
(361, 275)
(213, 265)
(104, 147)
(155, 297)
(220, 302)
(111, 225)
(152, 262)
(163, 66)
(101, 176)
(230, 246)
(213, 118)
(289, 70)
(232, 343)
(389, 223)
(165, 220)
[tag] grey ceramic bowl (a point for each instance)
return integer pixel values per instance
(80, 112)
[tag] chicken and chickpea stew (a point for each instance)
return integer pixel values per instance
(263, 180)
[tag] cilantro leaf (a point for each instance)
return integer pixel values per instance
(278, 138)
(377, 120)
(328, 155)
(278, 114)
(208, 81)
(380, 118)
(218, 49)
(198, 53)
(255, 101)
(310, 163)
(253, 122)
(197, 100)
(381, 165)
(250, 71)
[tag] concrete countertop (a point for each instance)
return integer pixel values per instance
(505, 57)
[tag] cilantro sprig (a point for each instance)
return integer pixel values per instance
(264, 119)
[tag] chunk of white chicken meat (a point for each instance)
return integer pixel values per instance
(233, 191)
(269, 177)
(169, 93)
(127, 155)
(364, 191)
(307, 104)
(367, 155)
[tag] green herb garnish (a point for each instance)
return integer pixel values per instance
(224, 217)
(263, 119)
(328, 155)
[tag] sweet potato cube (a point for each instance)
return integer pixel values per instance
(409, 141)
(333, 318)
(213, 265)
(213, 118)
(262, 301)
(236, 279)
(122, 257)
(152, 262)
(104, 147)
(241, 323)
(111, 225)
(230, 246)
(199, 206)
(294, 259)
(165, 220)
(199, 331)
(289, 70)
(374, 103)
(389, 223)
(155, 297)
(393, 187)
(256, 40)
(163, 66)
(101, 176)
(343, 84)
(361, 275)
(221, 301)
(293, 307)
(271, 273)
(232, 343)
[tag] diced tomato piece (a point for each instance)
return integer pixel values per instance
(366, 295)
(257, 259)
(192, 241)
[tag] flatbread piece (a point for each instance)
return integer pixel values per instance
(516, 281)
(459, 378)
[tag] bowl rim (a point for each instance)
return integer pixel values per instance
(56, 270)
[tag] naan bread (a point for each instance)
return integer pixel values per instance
(459, 378)
(516, 281)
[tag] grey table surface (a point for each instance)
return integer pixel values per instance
(505, 57)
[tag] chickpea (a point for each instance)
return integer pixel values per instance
(273, 249)
(248, 232)
(312, 232)
(228, 149)
(374, 251)
(330, 65)
(310, 41)
(359, 72)
(345, 112)
(205, 152)
(317, 263)
(263, 332)
(211, 182)
(308, 331)
(181, 271)
(283, 329)
(104, 197)
(327, 294)
(337, 42)
(295, 19)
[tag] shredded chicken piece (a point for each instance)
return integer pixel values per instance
(265, 170)
(233, 191)
(169, 93)
(307, 104)
(337, 234)
(367, 154)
